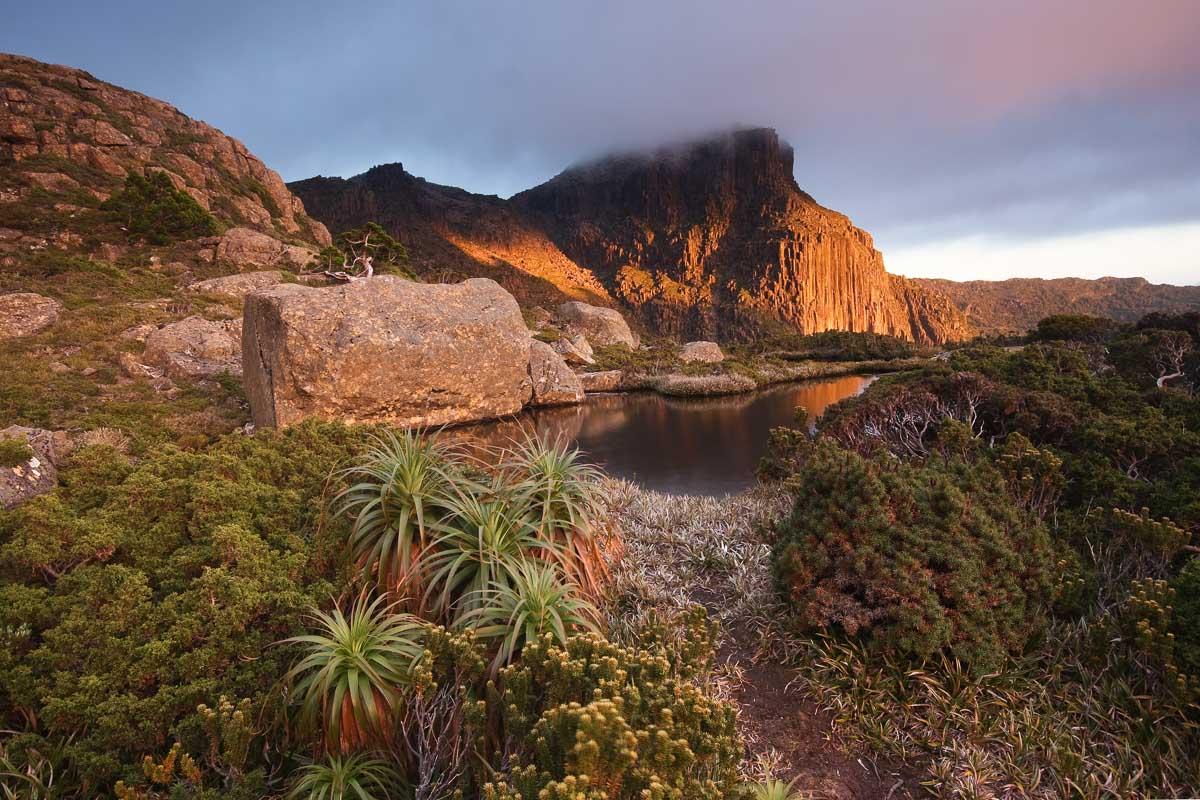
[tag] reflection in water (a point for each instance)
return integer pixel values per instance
(707, 446)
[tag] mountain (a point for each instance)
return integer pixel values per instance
(712, 238)
(452, 234)
(67, 140)
(1016, 305)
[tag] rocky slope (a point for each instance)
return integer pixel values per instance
(710, 239)
(452, 234)
(1016, 305)
(70, 137)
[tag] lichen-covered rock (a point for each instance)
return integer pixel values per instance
(26, 313)
(196, 348)
(606, 381)
(707, 352)
(36, 475)
(601, 326)
(575, 350)
(385, 349)
(239, 285)
(553, 382)
(247, 247)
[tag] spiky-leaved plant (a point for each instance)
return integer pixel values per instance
(354, 777)
(560, 492)
(537, 603)
(480, 545)
(395, 495)
(354, 671)
(775, 790)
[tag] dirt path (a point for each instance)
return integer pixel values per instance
(686, 550)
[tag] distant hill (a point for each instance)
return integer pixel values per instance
(711, 238)
(1016, 305)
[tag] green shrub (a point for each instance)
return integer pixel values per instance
(1076, 328)
(14, 452)
(917, 559)
(164, 590)
(153, 210)
(592, 719)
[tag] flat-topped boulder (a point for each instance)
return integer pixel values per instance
(602, 326)
(26, 313)
(385, 349)
(238, 286)
(607, 381)
(706, 352)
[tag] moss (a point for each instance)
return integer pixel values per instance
(14, 452)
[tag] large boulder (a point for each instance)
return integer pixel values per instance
(553, 382)
(36, 474)
(385, 349)
(196, 348)
(707, 352)
(248, 247)
(26, 313)
(238, 286)
(602, 326)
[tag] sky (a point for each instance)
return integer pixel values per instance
(990, 139)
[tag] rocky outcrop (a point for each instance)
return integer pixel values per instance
(704, 352)
(26, 313)
(63, 130)
(715, 238)
(552, 381)
(238, 286)
(242, 247)
(37, 474)
(385, 349)
(196, 348)
(601, 326)
(1016, 305)
(452, 234)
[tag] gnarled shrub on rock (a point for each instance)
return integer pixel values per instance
(917, 559)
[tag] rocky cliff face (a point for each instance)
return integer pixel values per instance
(716, 238)
(711, 239)
(65, 133)
(452, 234)
(1016, 305)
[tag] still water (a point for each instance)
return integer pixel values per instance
(707, 446)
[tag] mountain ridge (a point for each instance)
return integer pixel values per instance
(1015, 305)
(711, 238)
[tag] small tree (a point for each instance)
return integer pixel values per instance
(361, 252)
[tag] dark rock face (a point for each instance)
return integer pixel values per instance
(1015, 305)
(716, 239)
(708, 240)
(453, 234)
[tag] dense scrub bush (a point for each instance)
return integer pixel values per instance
(151, 209)
(1076, 328)
(917, 559)
(594, 720)
(137, 593)
(358, 251)
(1086, 431)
